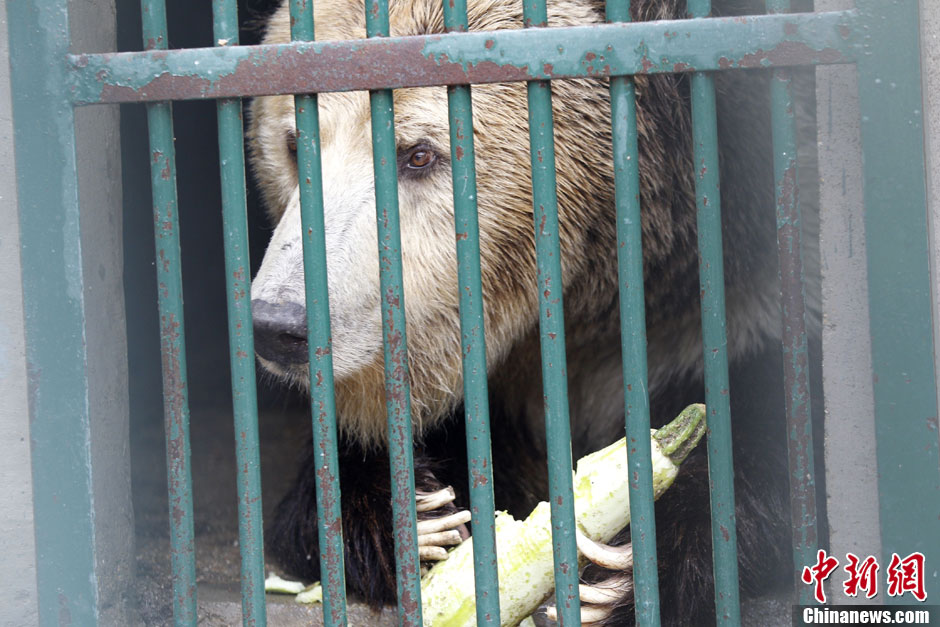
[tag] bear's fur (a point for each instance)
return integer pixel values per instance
(588, 241)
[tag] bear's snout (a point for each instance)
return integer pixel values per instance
(280, 332)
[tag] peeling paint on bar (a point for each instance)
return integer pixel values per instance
(473, 338)
(793, 306)
(394, 338)
(322, 399)
(552, 333)
(461, 58)
(633, 337)
(714, 339)
(241, 334)
(173, 354)
(172, 336)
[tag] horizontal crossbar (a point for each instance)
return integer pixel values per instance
(600, 51)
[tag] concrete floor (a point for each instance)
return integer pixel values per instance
(216, 523)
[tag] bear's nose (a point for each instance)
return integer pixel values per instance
(280, 332)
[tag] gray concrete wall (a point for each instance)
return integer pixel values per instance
(851, 472)
(850, 453)
(92, 25)
(930, 45)
(17, 543)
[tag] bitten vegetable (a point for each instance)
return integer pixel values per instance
(602, 508)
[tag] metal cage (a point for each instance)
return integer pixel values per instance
(880, 37)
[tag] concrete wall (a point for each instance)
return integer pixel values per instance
(17, 544)
(851, 471)
(851, 474)
(92, 26)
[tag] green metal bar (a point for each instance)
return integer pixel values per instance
(552, 340)
(241, 336)
(473, 341)
(714, 340)
(319, 339)
(602, 50)
(54, 308)
(394, 338)
(795, 352)
(172, 336)
(633, 337)
(902, 342)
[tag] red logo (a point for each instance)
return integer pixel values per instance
(862, 575)
(906, 575)
(819, 572)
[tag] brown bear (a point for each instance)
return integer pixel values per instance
(588, 241)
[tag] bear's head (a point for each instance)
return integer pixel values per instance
(585, 201)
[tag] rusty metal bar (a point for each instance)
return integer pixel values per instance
(602, 50)
(172, 336)
(552, 335)
(67, 572)
(394, 338)
(319, 340)
(714, 339)
(241, 336)
(473, 339)
(633, 337)
(793, 307)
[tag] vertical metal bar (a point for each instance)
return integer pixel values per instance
(172, 336)
(241, 336)
(714, 339)
(397, 386)
(54, 314)
(319, 342)
(473, 342)
(902, 341)
(552, 340)
(793, 306)
(633, 337)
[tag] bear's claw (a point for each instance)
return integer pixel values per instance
(599, 599)
(610, 557)
(440, 531)
(427, 501)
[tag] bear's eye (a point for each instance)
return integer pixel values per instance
(417, 160)
(420, 159)
(292, 143)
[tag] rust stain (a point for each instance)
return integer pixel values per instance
(788, 53)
